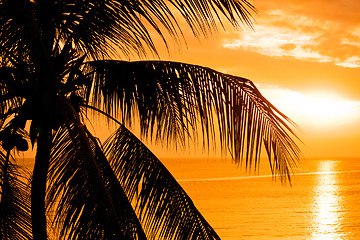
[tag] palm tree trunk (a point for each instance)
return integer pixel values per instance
(38, 188)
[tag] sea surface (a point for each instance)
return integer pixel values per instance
(323, 201)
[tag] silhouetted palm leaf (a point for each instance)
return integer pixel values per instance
(163, 207)
(11, 91)
(126, 23)
(92, 25)
(45, 80)
(88, 200)
(172, 98)
(15, 220)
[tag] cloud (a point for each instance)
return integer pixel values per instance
(351, 62)
(298, 31)
(278, 42)
(288, 46)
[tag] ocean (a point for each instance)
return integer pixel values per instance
(322, 202)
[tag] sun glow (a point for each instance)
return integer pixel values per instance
(314, 109)
(327, 204)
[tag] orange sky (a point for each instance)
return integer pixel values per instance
(305, 57)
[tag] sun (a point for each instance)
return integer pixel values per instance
(326, 106)
(317, 109)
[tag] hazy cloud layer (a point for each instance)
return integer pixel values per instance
(322, 31)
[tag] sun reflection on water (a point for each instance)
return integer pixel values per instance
(327, 204)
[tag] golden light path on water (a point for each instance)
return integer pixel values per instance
(327, 205)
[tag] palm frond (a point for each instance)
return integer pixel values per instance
(93, 26)
(173, 100)
(88, 200)
(201, 16)
(163, 207)
(15, 219)
(14, 36)
(11, 90)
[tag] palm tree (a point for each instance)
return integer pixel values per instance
(57, 65)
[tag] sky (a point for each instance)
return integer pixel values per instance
(304, 56)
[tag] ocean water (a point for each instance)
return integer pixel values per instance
(323, 201)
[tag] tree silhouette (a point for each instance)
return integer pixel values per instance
(57, 66)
